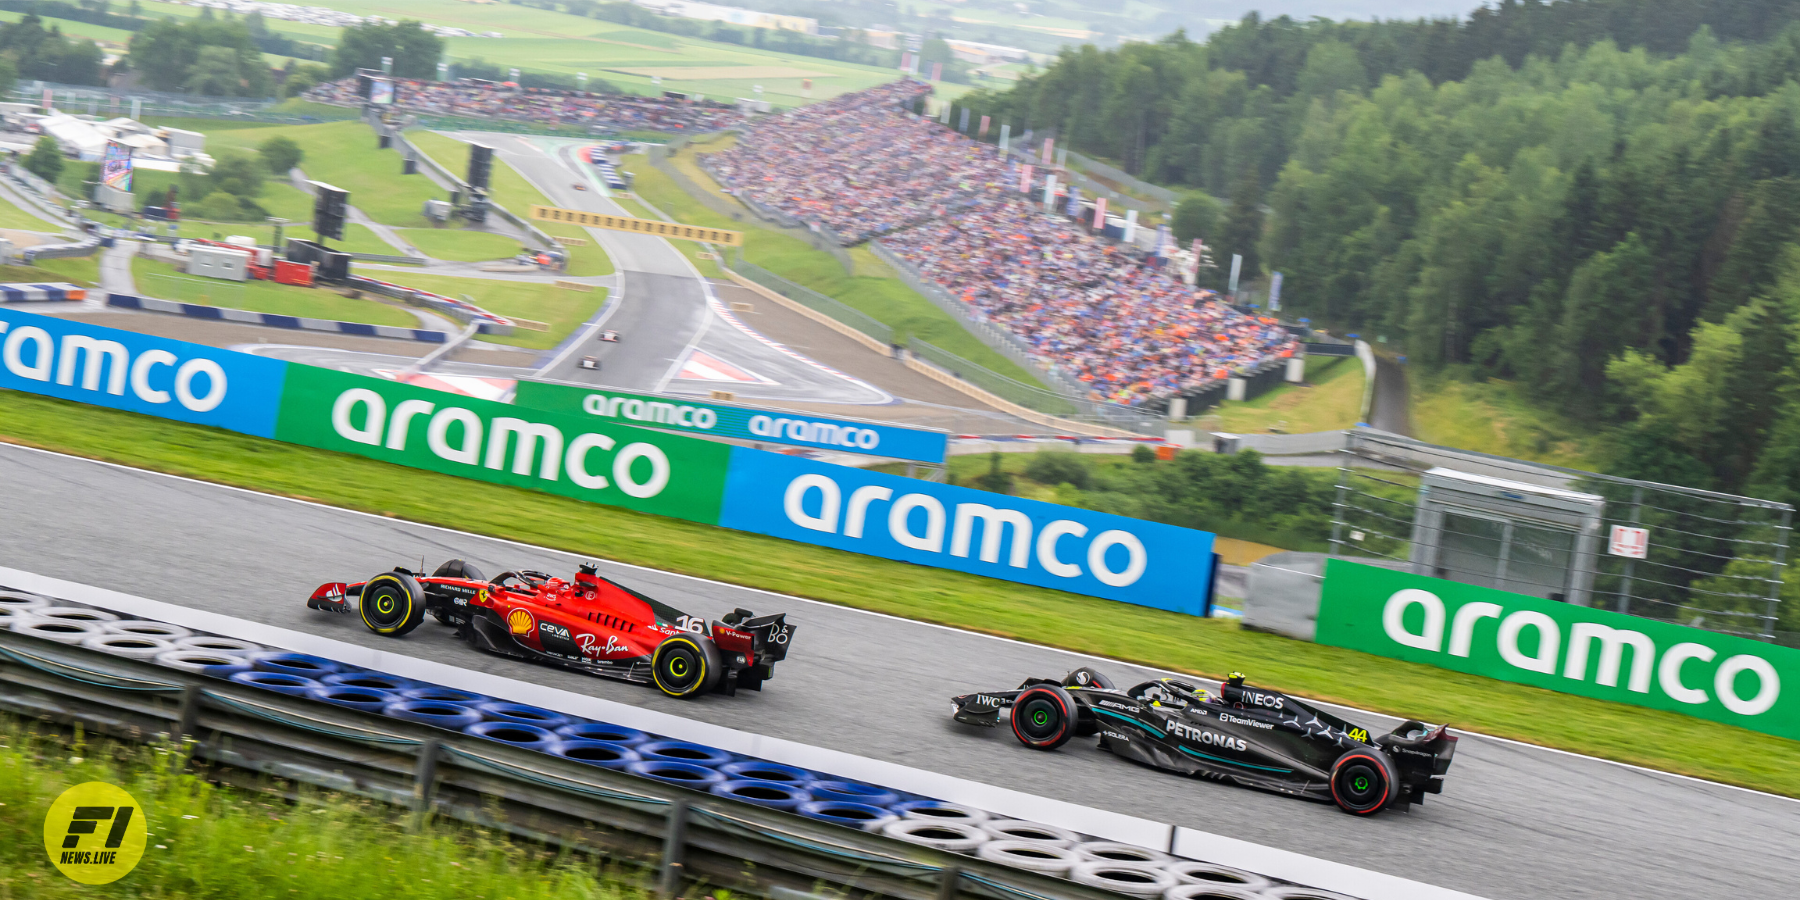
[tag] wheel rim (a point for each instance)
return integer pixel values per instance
(387, 608)
(1040, 719)
(1360, 786)
(680, 670)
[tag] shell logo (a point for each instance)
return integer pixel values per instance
(519, 621)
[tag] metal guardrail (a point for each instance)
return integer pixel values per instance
(686, 836)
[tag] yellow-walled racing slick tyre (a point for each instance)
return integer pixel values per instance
(392, 604)
(686, 665)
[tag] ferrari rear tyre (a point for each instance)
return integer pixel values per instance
(1044, 717)
(1364, 782)
(392, 604)
(686, 665)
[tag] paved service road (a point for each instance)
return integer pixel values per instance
(1516, 822)
(664, 311)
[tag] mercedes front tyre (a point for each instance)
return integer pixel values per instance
(1044, 717)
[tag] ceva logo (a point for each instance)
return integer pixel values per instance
(456, 435)
(29, 352)
(1051, 549)
(1677, 671)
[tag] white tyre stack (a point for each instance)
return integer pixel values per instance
(949, 812)
(1128, 854)
(1301, 893)
(197, 660)
(210, 644)
(143, 628)
(22, 602)
(1032, 856)
(953, 836)
(1033, 832)
(63, 631)
(1213, 891)
(75, 614)
(1193, 872)
(1140, 880)
(130, 646)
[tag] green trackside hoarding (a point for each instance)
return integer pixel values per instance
(579, 457)
(1591, 652)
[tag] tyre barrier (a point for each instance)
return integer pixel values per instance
(517, 734)
(361, 678)
(62, 631)
(686, 774)
(853, 792)
(600, 731)
(1192, 872)
(205, 662)
(953, 836)
(1126, 854)
(146, 628)
(280, 682)
(684, 752)
(758, 770)
(860, 816)
(520, 714)
(1034, 856)
(300, 664)
(75, 614)
(773, 794)
(604, 754)
(1134, 881)
(130, 646)
(444, 695)
(1209, 892)
(1124, 868)
(1030, 832)
(939, 811)
(365, 699)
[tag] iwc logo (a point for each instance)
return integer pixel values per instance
(94, 833)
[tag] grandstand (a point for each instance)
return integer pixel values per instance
(861, 167)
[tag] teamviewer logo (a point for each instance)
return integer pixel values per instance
(86, 821)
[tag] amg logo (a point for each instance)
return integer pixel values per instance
(1114, 704)
(1203, 736)
(1238, 720)
(550, 629)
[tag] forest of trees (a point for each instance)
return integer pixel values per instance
(29, 50)
(1618, 229)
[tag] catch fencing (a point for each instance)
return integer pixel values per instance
(1709, 560)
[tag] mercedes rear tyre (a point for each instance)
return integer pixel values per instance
(686, 665)
(1044, 717)
(1364, 782)
(392, 604)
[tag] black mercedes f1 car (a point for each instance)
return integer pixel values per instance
(1246, 735)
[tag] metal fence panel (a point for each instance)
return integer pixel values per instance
(1712, 560)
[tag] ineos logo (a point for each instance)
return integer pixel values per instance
(1270, 701)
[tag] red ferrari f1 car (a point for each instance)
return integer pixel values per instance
(590, 624)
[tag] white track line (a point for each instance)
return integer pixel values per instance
(1086, 656)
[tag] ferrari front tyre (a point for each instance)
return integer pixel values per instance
(1364, 782)
(392, 604)
(686, 665)
(1044, 717)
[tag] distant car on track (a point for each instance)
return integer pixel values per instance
(590, 624)
(610, 337)
(580, 187)
(1246, 735)
(589, 362)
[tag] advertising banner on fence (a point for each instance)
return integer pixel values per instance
(946, 527)
(150, 375)
(729, 421)
(1574, 649)
(600, 462)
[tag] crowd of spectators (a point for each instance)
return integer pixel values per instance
(856, 166)
(471, 98)
(951, 207)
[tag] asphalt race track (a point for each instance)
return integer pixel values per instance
(662, 309)
(1515, 823)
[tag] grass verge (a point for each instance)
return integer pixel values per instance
(160, 280)
(872, 288)
(460, 245)
(561, 309)
(1494, 416)
(344, 155)
(208, 841)
(1182, 643)
(1329, 401)
(80, 270)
